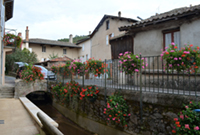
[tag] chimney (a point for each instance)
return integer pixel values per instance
(71, 38)
(89, 32)
(27, 33)
(20, 34)
(119, 14)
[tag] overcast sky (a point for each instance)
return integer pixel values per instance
(55, 19)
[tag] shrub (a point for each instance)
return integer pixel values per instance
(31, 73)
(117, 110)
(77, 67)
(188, 120)
(89, 91)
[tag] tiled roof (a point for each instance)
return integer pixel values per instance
(178, 12)
(51, 42)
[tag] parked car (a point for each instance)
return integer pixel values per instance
(47, 74)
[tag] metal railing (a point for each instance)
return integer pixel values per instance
(152, 78)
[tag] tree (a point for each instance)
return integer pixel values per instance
(53, 56)
(19, 56)
(75, 39)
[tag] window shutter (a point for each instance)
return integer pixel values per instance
(107, 38)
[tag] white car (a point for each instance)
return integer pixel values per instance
(47, 74)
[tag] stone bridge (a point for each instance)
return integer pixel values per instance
(23, 88)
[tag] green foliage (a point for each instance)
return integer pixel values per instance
(131, 63)
(117, 110)
(89, 91)
(31, 73)
(53, 56)
(19, 56)
(75, 39)
(180, 60)
(12, 40)
(188, 120)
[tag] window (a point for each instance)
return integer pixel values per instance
(43, 48)
(64, 51)
(83, 47)
(172, 35)
(107, 39)
(107, 25)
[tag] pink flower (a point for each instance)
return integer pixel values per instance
(187, 126)
(113, 118)
(182, 116)
(186, 52)
(129, 114)
(142, 66)
(172, 51)
(136, 70)
(178, 65)
(136, 56)
(121, 54)
(104, 109)
(190, 102)
(172, 43)
(196, 128)
(125, 60)
(161, 54)
(118, 119)
(108, 118)
(128, 56)
(175, 58)
(132, 64)
(186, 107)
(108, 106)
(179, 58)
(115, 106)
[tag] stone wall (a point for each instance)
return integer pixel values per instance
(158, 111)
(23, 88)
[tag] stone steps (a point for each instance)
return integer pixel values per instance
(7, 92)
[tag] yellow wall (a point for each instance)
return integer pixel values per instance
(87, 49)
(71, 52)
(99, 48)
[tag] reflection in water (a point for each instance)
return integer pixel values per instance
(66, 126)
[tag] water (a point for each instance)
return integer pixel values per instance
(66, 126)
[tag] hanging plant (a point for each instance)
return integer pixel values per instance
(12, 40)
(97, 67)
(131, 63)
(77, 67)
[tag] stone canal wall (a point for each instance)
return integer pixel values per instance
(158, 111)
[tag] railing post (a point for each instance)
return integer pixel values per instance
(83, 76)
(105, 94)
(141, 109)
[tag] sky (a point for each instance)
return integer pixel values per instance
(56, 19)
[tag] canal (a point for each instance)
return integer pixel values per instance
(66, 126)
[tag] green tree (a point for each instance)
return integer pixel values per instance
(53, 56)
(19, 56)
(75, 39)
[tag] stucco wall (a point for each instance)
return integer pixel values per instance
(190, 33)
(71, 52)
(148, 43)
(99, 48)
(87, 49)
